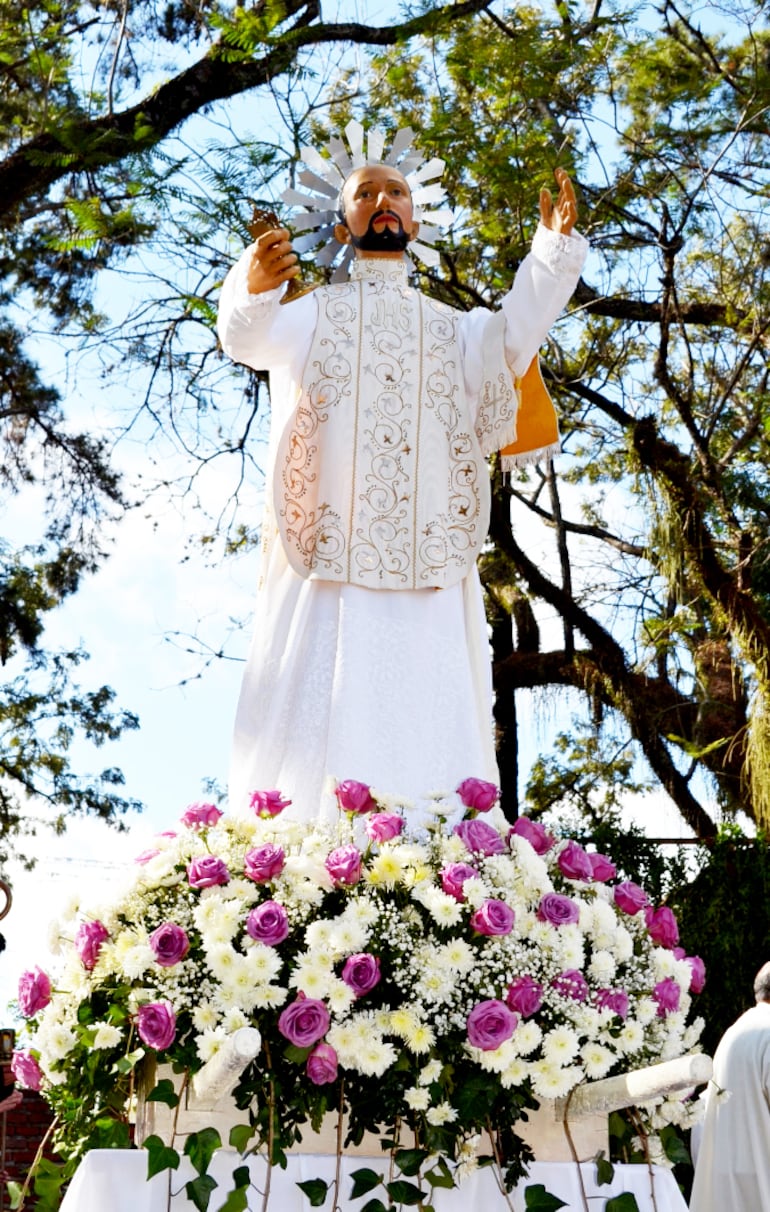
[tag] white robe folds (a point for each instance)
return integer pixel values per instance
(388, 685)
(732, 1172)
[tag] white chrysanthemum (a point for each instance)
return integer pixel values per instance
(693, 1033)
(459, 956)
(210, 1042)
(343, 1038)
(444, 909)
(560, 1046)
(386, 869)
(224, 924)
(597, 1060)
(494, 1060)
(527, 1037)
(622, 944)
(222, 960)
(436, 983)
(206, 913)
(475, 892)
(453, 850)
(106, 1035)
(572, 944)
(130, 953)
(416, 1099)
(516, 1073)
(301, 870)
(630, 1038)
(442, 1113)
(312, 978)
(430, 1073)
(348, 937)
(318, 934)
(664, 963)
(269, 997)
(646, 1010)
(363, 911)
(420, 1038)
(204, 1016)
(533, 877)
(602, 967)
(340, 997)
(56, 1041)
(233, 1020)
(262, 963)
(543, 936)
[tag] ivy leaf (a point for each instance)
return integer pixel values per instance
(405, 1193)
(622, 1203)
(674, 1147)
(374, 1205)
(238, 1199)
(200, 1147)
(200, 1188)
(363, 1181)
(14, 1194)
(129, 1062)
(440, 1175)
(410, 1160)
(164, 1092)
(605, 1171)
(537, 1199)
(315, 1189)
(159, 1156)
(240, 1135)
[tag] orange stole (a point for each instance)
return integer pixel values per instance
(537, 427)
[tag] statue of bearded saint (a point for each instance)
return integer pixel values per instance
(370, 656)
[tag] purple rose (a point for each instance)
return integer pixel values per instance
(268, 923)
(304, 1021)
(34, 992)
(207, 871)
(571, 984)
(666, 993)
(536, 834)
(26, 1070)
(88, 942)
(615, 1000)
(697, 973)
(322, 1065)
(557, 909)
(156, 1024)
(525, 995)
(629, 897)
(354, 797)
(170, 944)
(490, 1024)
(602, 868)
(661, 926)
(453, 877)
(344, 865)
(264, 863)
(477, 794)
(268, 803)
(361, 973)
(493, 917)
(479, 837)
(383, 826)
(200, 816)
(574, 863)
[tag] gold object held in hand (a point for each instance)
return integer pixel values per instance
(266, 220)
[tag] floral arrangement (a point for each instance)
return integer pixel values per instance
(430, 969)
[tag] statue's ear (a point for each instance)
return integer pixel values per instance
(341, 233)
(413, 231)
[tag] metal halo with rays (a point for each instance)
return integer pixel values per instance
(326, 175)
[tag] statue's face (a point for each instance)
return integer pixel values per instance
(378, 212)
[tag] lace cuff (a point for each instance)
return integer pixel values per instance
(563, 255)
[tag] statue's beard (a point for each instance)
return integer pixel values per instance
(386, 240)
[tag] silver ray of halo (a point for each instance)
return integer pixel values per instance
(325, 177)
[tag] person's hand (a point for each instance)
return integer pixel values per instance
(12, 1101)
(560, 215)
(272, 261)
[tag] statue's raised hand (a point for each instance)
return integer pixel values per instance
(560, 215)
(272, 261)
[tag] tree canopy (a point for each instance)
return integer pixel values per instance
(634, 577)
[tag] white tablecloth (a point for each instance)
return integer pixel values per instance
(114, 1180)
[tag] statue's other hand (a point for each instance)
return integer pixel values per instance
(560, 215)
(272, 261)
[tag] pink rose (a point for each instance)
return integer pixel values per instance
(156, 1025)
(268, 923)
(304, 1021)
(525, 995)
(602, 868)
(698, 973)
(361, 973)
(26, 1070)
(666, 993)
(344, 865)
(383, 826)
(661, 926)
(34, 992)
(572, 984)
(477, 794)
(200, 816)
(88, 942)
(557, 909)
(170, 944)
(490, 1024)
(479, 837)
(206, 872)
(145, 856)
(574, 863)
(453, 878)
(268, 803)
(354, 797)
(321, 1065)
(615, 1000)
(629, 897)
(264, 863)
(536, 834)
(493, 917)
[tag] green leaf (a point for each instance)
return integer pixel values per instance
(164, 1092)
(410, 1160)
(159, 1156)
(315, 1189)
(14, 1193)
(537, 1199)
(200, 1188)
(440, 1175)
(363, 1181)
(240, 1135)
(622, 1203)
(129, 1062)
(405, 1193)
(674, 1147)
(374, 1205)
(238, 1199)
(605, 1171)
(200, 1147)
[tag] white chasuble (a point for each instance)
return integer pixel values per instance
(380, 473)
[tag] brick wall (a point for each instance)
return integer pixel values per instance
(21, 1131)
